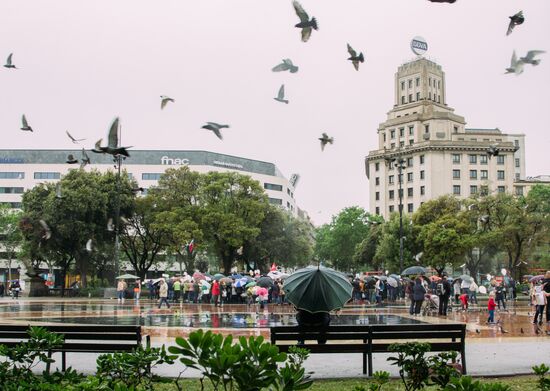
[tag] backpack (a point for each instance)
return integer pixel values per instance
(440, 289)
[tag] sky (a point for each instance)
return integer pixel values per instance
(82, 63)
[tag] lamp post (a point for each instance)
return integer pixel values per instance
(118, 165)
(400, 164)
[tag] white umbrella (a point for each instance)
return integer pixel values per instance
(392, 282)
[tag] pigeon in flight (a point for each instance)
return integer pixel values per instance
(89, 245)
(516, 66)
(286, 65)
(74, 140)
(25, 125)
(85, 159)
(325, 139)
(281, 95)
(110, 225)
(515, 20)
(443, 1)
(305, 23)
(113, 147)
(214, 127)
(530, 57)
(9, 63)
(164, 101)
(354, 58)
(58, 193)
(47, 232)
(492, 150)
(71, 159)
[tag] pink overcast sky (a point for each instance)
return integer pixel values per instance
(84, 62)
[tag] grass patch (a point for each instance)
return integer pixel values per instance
(517, 383)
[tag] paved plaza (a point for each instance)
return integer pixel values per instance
(511, 347)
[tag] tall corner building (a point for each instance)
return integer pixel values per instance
(439, 154)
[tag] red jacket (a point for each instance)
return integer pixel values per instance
(491, 305)
(216, 288)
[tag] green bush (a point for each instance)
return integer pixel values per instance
(379, 378)
(414, 370)
(543, 381)
(466, 383)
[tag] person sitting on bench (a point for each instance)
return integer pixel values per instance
(308, 320)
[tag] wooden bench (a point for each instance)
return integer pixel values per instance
(80, 339)
(371, 339)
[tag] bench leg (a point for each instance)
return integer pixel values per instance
(463, 359)
(63, 362)
(364, 363)
(370, 364)
(48, 364)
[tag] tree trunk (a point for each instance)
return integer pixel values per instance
(227, 262)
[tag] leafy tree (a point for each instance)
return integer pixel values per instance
(232, 208)
(366, 250)
(10, 235)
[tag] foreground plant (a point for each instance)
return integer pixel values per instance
(543, 381)
(379, 378)
(413, 366)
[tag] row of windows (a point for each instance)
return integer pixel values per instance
(483, 159)
(410, 162)
(436, 98)
(410, 177)
(401, 132)
(417, 83)
(12, 175)
(483, 190)
(272, 186)
(391, 193)
(484, 174)
(275, 201)
(11, 190)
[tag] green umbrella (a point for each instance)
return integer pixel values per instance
(250, 284)
(218, 276)
(128, 277)
(317, 289)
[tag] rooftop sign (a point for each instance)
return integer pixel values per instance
(419, 46)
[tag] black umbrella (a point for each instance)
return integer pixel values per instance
(414, 270)
(265, 282)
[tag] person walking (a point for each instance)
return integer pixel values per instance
(121, 290)
(443, 291)
(137, 290)
(216, 293)
(177, 290)
(2, 289)
(499, 295)
(456, 291)
(539, 301)
(473, 292)
(163, 293)
(151, 288)
(418, 295)
(491, 305)
(546, 289)
(409, 294)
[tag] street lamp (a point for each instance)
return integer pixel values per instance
(118, 165)
(400, 163)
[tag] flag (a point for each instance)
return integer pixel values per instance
(190, 246)
(273, 267)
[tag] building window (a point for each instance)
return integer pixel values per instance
(438, 84)
(500, 175)
(410, 83)
(422, 190)
(473, 159)
(427, 128)
(384, 136)
(11, 190)
(484, 190)
(411, 141)
(391, 208)
(377, 166)
(409, 162)
(391, 194)
(429, 95)
(409, 208)
(401, 132)
(47, 175)
(456, 174)
(392, 145)
(484, 174)
(430, 81)
(516, 143)
(519, 190)
(402, 100)
(12, 175)
(517, 162)
(422, 174)
(377, 181)
(417, 81)
(377, 209)
(418, 96)
(147, 176)
(421, 159)
(501, 189)
(410, 192)
(456, 158)
(483, 159)
(456, 189)
(275, 201)
(409, 177)
(473, 174)
(287, 190)
(377, 196)
(272, 186)
(392, 133)
(473, 189)
(517, 176)
(402, 85)
(390, 179)
(411, 130)
(401, 143)
(410, 97)
(500, 159)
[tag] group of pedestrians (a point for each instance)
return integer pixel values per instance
(540, 298)
(13, 289)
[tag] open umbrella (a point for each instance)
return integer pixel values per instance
(198, 276)
(237, 276)
(392, 282)
(536, 279)
(395, 276)
(128, 277)
(317, 289)
(250, 284)
(241, 282)
(482, 289)
(435, 278)
(218, 276)
(274, 275)
(383, 278)
(265, 282)
(414, 270)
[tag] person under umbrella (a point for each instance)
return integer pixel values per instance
(418, 295)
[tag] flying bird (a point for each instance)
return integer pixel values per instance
(71, 159)
(47, 232)
(492, 150)
(325, 139)
(164, 101)
(418, 256)
(443, 1)
(281, 95)
(58, 193)
(516, 66)
(515, 20)
(110, 225)
(478, 332)
(85, 159)
(113, 147)
(305, 23)
(25, 125)
(286, 65)
(354, 58)
(215, 127)
(74, 140)
(530, 57)
(89, 245)
(9, 63)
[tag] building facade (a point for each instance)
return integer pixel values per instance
(21, 170)
(425, 149)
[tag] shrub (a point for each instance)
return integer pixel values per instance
(413, 366)
(543, 381)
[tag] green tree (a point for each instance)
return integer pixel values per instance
(10, 235)
(336, 242)
(366, 250)
(232, 208)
